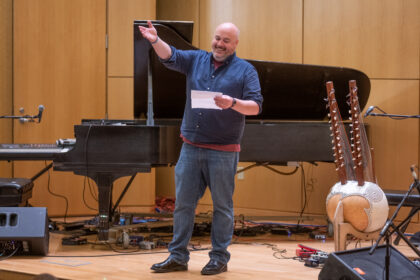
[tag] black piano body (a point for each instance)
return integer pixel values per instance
(291, 128)
(106, 150)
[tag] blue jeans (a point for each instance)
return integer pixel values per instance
(196, 169)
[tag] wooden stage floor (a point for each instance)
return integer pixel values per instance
(252, 258)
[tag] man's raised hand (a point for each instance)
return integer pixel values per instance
(149, 33)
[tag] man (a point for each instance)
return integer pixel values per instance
(210, 152)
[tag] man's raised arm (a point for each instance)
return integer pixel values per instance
(161, 48)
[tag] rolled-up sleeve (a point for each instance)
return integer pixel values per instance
(180, 60)
(252, 87)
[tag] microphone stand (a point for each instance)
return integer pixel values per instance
(13, 117)
(394, 116)
(25, 118)
(384, 114)
(385, 231)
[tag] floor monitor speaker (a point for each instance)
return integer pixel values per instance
(359, 264)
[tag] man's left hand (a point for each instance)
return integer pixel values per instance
(223, 101)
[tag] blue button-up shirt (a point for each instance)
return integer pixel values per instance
(236, 77)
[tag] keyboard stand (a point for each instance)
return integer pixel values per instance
(413, 200)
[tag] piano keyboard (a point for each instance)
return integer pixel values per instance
(31, 151)
(29, 148)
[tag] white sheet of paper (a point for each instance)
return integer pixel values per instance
(204, 99)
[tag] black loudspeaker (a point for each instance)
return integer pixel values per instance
(15, 192)
(26, 227)
(359, 264)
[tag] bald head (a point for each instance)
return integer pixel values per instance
(230, 28)
(226, 38)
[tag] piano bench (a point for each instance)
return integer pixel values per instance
(15, 192)
(413, 200)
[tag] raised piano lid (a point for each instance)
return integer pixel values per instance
(291, 91)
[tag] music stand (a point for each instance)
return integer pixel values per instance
(386, 233)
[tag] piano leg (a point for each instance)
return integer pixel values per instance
(104, 182)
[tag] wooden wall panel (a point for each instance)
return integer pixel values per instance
(140, 197)
(319, 179)
(182, 10)
(142, 190)
(59, 61)
(378, 37)
(120, 98)
(165, 181)
(395, 142)
(122, 13)
(261, 190)
(121, 53)
(270, 29)
(6, 78)
(58, 190)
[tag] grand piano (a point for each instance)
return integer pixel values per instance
(292, 127)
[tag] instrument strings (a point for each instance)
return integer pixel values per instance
(343, 157)
(368, 170)
(346, 150)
